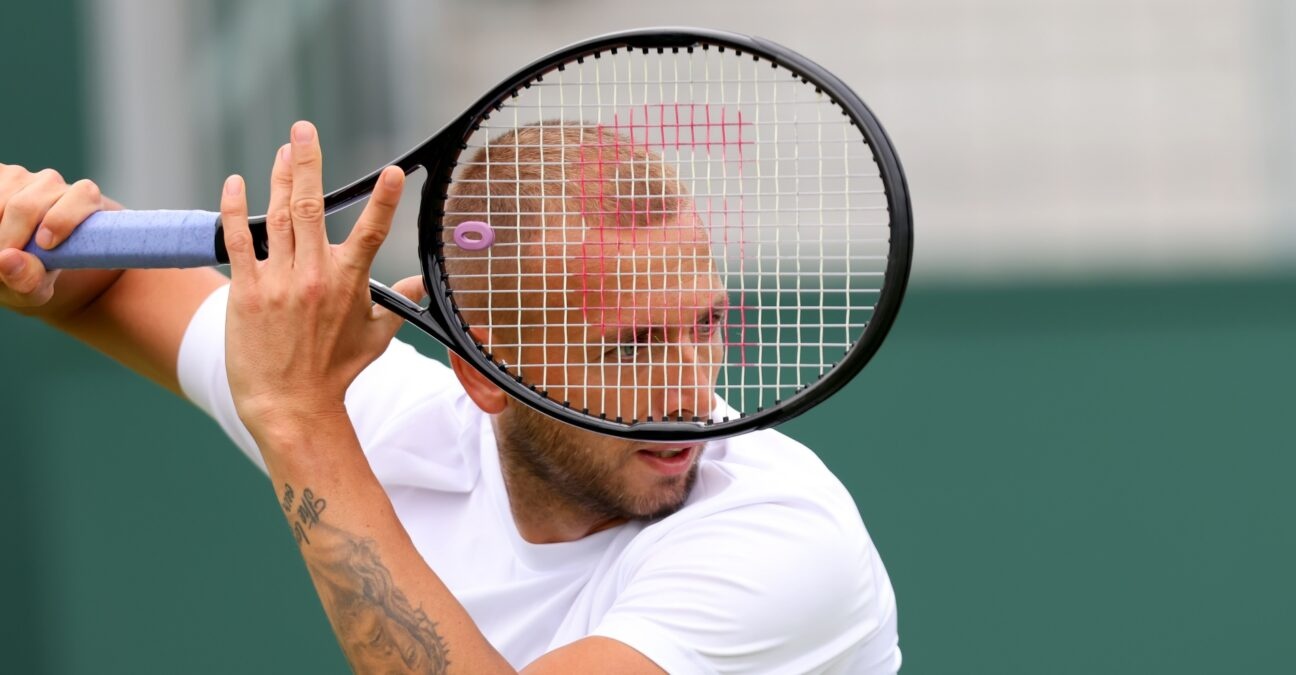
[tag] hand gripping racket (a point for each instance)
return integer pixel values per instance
(664, 235)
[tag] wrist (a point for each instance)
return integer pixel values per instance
(287, 416)
(294, 439)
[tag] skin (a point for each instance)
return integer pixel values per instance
(301, 327)
(566, 483)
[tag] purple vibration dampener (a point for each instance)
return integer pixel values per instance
(485, 235)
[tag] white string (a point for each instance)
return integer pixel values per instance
(517, 195)
(786, 176)
(785, 103)
(760, 252)
(543, 242)
(532, 275)
(778, 232)
(709, 165)
(846, 195)
(634, 249)
(808, 209)
(819, 141)
(580, 104)
(598, 92)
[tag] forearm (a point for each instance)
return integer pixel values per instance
(140, 319)
(390, 611)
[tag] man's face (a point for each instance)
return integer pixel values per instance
(627, 322)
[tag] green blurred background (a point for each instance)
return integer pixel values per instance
(1065, 473)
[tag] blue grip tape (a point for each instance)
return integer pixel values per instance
(136, 239)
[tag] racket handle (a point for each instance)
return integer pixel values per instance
(136, 240)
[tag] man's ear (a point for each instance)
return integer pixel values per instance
(489, 397)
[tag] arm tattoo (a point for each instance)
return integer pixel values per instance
(378, 629)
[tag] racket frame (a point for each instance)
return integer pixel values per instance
(438, 156)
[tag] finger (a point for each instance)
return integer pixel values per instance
(375, 221)
(24, 274)
(11, 175)
(311, 242)
(25, 209)
(279, 226)
(234, 221)
(81, 200)
(410, 287)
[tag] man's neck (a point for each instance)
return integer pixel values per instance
(544, 517)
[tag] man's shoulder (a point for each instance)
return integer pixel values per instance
(772, 542)
(415, 422)
(769, 466)
(402, 377)
(762, 488)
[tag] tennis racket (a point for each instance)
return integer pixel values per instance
(663, 234)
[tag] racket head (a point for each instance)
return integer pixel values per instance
(761, 378)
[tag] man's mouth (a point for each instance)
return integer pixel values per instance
(670, 460)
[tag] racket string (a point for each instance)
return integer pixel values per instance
(784, 187)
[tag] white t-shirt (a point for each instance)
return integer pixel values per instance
(766, 569)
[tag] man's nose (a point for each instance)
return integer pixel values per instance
(687, 382)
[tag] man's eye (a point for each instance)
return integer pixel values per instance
(710, 324)
(625, 351)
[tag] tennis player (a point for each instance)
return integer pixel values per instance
(447, 528)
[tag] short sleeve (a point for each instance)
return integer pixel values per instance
(764, 588)
(399, 379)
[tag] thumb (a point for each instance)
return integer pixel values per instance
(410, 287)
(24, 274)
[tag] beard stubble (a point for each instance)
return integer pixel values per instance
(567, 466)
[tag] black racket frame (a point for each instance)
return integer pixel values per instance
(439, 154)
